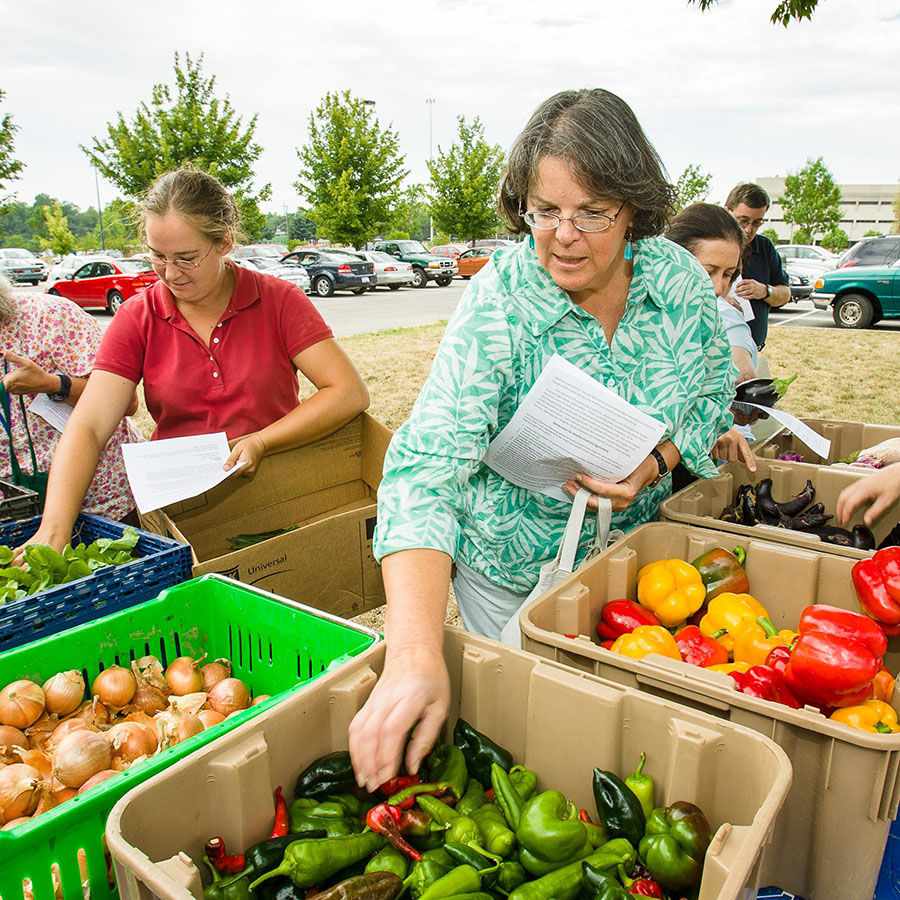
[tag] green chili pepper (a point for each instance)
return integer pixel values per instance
(331, 774)
(498, 838)
(506, 796)
(353, 805)
(510, 875)
(675, 843)
(310, 862)
(642, 786)
(619, 809)
(424, 873)
(232, 887)
(439, 811)
(461, 880)
(389, 859)
(374, 886)
(480, 751)
(320, 809)
(440, 855)
(302, 825)
(464, 830)
(267, 854)
(477, 895)
(447, 763)
(472, 799)
(524, 781)
(550, 829)
(601, 885)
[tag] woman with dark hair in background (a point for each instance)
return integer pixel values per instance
(595, 284)
(218, 348)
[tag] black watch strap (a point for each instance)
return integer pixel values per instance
(65, 388)
(663, 467)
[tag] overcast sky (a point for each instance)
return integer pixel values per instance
(724, 89)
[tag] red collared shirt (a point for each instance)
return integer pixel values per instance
(242, 382)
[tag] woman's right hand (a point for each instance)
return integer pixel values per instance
(412, 695)
(46, 534)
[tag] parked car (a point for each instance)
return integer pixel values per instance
(105, 282)
(473, 260)
(450, 250)
(67, 266)
(426, 266)
(273, 251)
(873, 251)
(389, 271)
(295, 274)
(801, 282)
(859, 296)
(494, 242)
(20, 265)
(809, 259)
(334, 270)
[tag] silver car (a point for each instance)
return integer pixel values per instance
(389, 271)
(18, 264)
(270, 266)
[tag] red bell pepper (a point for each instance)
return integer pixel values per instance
(766, 683)
(644, 887)
(877, 583)
(836, 657)
(778, 658)
(698, 649)
(620, 617)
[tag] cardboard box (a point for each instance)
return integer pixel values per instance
(846, 438)
(328, 489)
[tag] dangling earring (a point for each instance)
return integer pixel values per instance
(531, 240)
(629, 247)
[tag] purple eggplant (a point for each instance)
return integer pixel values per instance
(862, 538)
(799, 502)
(813, 517)
(893, 538)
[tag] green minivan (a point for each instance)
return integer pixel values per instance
(859, 296)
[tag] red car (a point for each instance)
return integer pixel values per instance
(106, 283)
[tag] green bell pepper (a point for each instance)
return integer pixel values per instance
(428, 870)
(389, 859)
(447, 763)
(510, 875)
(332, 816)
(619, 809)
(550, 830)
(231, 887)
(601, 885)
(480, 751)
(474, 798)
(464, 830)
(676, 840)
(524, 781)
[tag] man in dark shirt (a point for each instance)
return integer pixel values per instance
(763, 279)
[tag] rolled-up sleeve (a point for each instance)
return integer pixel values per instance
(432, 457)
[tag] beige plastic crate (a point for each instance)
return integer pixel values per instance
(558, 722)
(846, 439)
(701, 503)
(831, 832)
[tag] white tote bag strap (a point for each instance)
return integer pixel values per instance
(568, 547)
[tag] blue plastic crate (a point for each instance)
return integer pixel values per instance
(161, 563)
(17, 502)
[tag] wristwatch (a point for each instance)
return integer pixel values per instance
(663, 467)
(768, 291)
(65, 388)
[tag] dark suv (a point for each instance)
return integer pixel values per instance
(873, 251)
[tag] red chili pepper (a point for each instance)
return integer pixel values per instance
(282, 818)
(698, 649)
(385, 819)
(767, 683)
(489, 795)
(583, 816)
(215, 851)
(620, 617)
(877, 583)
(398, 783)
(406, 798)
(835, 658)
(644, 887)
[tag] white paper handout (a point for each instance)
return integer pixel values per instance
(52, 412)
(568, 423)
(746, 306)
(166, 471)
(812, 439)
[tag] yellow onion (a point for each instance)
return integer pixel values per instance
(15, 823)
(64, 729)
(228, 696)
(183, 675)
(20, 789)
(37, 759)
(99, 778)
(176, 726)
(9, 738)
(148, 670)
(80, 755)
(39, 733)
(129, 742)
(148, 699)
(64, 692)
(260, 699)
(214, 672)
(114, 687)
(142, 719)
(94, 713)
(210, 717)
(21, 704)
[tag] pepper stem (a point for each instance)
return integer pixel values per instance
(741, 554)
(882, 728)
(639, 770)
(717, 634)
(767, 626)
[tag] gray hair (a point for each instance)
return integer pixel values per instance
(8, 306)
(597, 134)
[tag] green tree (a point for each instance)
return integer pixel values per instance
(771, 234)
(302, 228)
(811, 199)
(120, 229)
(351, 170)
(464, 183)
(187, 124)
(872, 232)
(60, 240)
(802, 236)
(10, 167)
(692, 186)
(412, 214)
(836, 240)
(785, 12)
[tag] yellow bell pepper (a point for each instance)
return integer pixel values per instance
(725, 612)
(725, 668)
(646, 639)
(873, 715)
(753, 640)
(671, 588)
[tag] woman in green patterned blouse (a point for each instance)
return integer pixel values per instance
(595, 284)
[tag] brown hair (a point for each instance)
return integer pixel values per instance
(752, 194)
(705, 222)
(197, 196)
(597, 134)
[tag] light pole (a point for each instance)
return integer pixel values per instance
(430, 102)
(99, 209)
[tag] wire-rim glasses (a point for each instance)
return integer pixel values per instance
(592, 222)
(186, 265)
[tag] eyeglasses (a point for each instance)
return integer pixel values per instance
(591, 222)
(184, 264)
(744, 221)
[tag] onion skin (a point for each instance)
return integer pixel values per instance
(114, 687)
(15, 823)
(64, 692)
(20, 789)
(183, 675)
(260, 699)
(228, 696)
(11, 737)
(39, 760)
(175, 727)
(21, 704)
(64, 729)
(129, 742)
(214, 672)
(80, 755)
(209, 717)
(99, 778)
(149, 699)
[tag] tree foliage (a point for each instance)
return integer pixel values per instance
(786, 11)
(692, 186)
(771, 234)
(836, 240)
(801, 236)
(59, 239)
(351, 170)
(464, 183)
(187, 124)
(411, 214)
(811, 199)
(10, 167)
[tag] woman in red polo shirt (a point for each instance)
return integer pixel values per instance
(218, 348)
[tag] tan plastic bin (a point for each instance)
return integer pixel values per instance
(702, 502)
(554, 720)
(832, 830)
(846, 439)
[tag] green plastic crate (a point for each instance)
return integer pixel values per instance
(275, 645)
